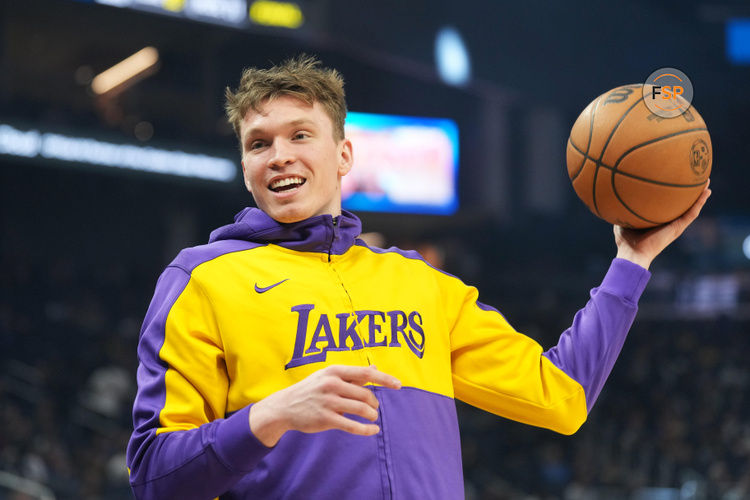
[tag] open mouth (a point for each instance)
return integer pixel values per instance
(287, 184)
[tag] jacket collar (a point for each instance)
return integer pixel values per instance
(321, 233)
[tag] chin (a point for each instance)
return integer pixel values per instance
(289, 220)
(288, 216)
(293, 212)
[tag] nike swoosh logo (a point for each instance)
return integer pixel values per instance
(266, 288)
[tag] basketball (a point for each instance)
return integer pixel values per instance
(634, 168)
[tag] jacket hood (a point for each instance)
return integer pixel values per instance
(321, 233)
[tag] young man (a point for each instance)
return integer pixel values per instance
(258, 353)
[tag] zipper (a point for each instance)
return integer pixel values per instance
(384, 445)
(364, 353)
(333, 238)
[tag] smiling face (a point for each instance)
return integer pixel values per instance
(291, 161)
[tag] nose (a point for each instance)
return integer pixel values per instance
(281, 155)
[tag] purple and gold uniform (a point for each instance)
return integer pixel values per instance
(264, 305)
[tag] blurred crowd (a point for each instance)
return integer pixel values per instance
(67, 379)
(672, 422)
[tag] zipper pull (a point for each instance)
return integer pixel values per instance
(333, 237)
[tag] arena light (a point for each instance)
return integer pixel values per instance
(738, 41)
(222, 12)
(746, 247)
(231, 12)
(452, 57)
(128, 71)
(278, 14)
(76, 149)
(19, 142)
(173, 5)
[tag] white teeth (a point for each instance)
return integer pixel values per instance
(286, 182)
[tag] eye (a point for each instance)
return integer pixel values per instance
(301, 135)
(256, 144)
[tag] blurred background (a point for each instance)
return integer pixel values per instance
(101, 186)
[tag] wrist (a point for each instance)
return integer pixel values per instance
(634, 257)
(265, 424)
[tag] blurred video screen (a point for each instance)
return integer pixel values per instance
(401, 164)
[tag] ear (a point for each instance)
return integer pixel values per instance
(346, 157)
(246, 178)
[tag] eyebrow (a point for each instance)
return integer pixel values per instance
(293, 123)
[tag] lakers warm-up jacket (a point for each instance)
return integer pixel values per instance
(263, 305)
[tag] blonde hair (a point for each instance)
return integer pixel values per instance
(301, 77)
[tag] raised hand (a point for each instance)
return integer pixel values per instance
(642, 246)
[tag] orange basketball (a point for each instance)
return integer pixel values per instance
(634, 168)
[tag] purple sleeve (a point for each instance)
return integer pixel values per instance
(198, 463)
(587, 350)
